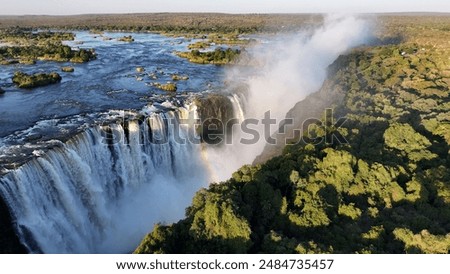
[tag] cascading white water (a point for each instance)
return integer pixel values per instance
(238, 105)
(90, 197)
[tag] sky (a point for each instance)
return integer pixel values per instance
(64, 7)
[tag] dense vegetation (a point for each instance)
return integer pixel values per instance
(200, 54)
(167, 22)
(385, 190)
(23, 80)
(207, 41)
(219, 56)
(28, 47)
(228, 39)
(26, 37)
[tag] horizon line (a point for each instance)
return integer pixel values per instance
(231, 13)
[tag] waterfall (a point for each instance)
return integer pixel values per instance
(238, 101)
(103, 190)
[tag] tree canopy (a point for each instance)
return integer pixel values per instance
(385, 191)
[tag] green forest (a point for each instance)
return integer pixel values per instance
(219, 56)
(28, 47)
(378, 183)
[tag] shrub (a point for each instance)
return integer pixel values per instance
(23, 80)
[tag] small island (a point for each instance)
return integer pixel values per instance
(199, 45)
(176, 77)
(169, 86)
(23, 80)
(229, 39)
(26, 47)
(219, 56)
(67, 69)
(127, 39)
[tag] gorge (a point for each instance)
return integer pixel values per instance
(102, 189)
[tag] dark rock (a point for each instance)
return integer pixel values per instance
(215, 112)
(9, 242)
(33, 137)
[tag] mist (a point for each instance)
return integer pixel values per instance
(163, 200)
(292, 67)
(104, 199)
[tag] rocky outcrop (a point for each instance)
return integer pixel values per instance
(67, 69)
(176, 77)
(9, 242)
(215, 110)
(127, 39)
(23, 80)
(169, 87)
